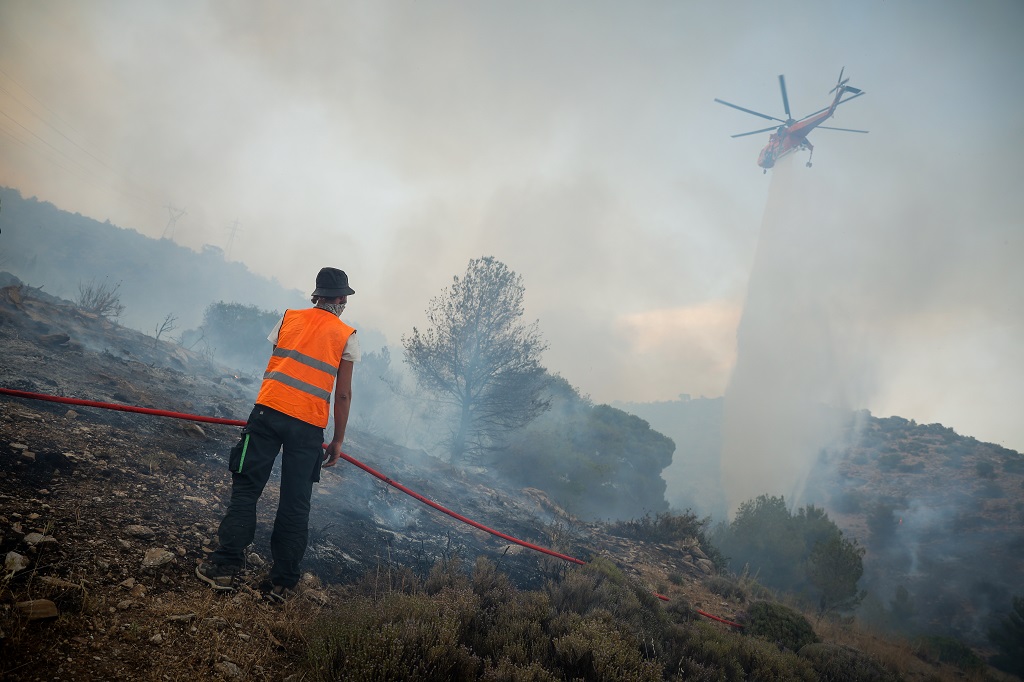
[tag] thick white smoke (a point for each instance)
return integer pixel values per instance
(801, 349)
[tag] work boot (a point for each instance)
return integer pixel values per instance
(220, 578)
(279, 594)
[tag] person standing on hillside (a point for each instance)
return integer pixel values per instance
(314, 352)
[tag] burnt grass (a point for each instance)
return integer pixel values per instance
(105, 515)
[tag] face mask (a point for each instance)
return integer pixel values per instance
(333, 308)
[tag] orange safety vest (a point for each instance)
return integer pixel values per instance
(302, 369)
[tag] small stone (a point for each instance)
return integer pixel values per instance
(157, 556)
(128, 582)
(19, 446)
(125, 604)
(156, 639)
(61, 583)
(70, 414)
(229, 669)
(138, 591)
(37, 609)
(28, 455)
(33, 539)
(194, 430)
(15, 562)
(142, 532)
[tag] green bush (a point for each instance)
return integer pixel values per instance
(782, 625)
(948, 650)
(838, 663)
(1008, 637)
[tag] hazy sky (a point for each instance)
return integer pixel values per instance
(578, 142)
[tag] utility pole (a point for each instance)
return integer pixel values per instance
(231, 239)
(175, 214)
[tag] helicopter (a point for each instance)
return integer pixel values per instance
(791, 134)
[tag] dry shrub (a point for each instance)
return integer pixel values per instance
(703, 652)
(507, 671)
(727, 587)
(446, 574)
(397, 637)
(839, 663)
(508, 626)
(601, 585)
(594, 648)
(103, 299)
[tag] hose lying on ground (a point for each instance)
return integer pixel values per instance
(347, 458)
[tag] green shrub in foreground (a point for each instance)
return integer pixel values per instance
(595, 624)
(779, 624)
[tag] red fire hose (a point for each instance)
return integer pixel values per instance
(347, 458)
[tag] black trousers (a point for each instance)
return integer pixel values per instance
(251, 462)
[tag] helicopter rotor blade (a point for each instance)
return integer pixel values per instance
(755, 132)
(839, 82)
(785, 98)
(749, 111)
(842, 101)
(845, 130)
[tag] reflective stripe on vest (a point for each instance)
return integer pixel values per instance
(302, 369)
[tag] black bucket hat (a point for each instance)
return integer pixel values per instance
(332, 282)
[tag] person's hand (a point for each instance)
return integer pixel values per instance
(333, 453)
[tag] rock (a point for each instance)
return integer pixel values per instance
(54, 339)
(37, 609)
(194, 430)
(156, 639)
(33, 539)
(61, 583)
(706, 566)
(70, 414)
(28, 455)
(184, 617)
(15, 562)
(229, 669)
(142, 532)
(157, 556)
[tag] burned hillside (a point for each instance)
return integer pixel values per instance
(105, 513)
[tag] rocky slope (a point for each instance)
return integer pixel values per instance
(104, 515)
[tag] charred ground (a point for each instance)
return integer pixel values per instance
(111, 511)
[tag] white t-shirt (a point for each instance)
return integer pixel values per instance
(350, 353)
